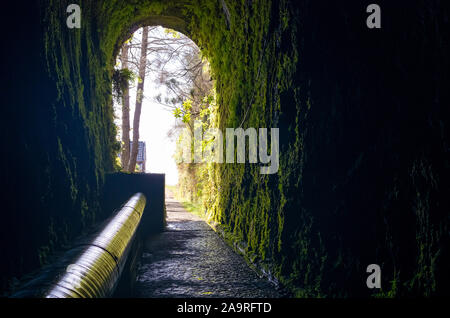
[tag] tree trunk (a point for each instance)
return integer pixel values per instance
(125, 114)
(139, 98)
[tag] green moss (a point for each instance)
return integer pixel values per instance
(262, 79)
(43, 254)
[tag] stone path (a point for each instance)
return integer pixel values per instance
(190, 260)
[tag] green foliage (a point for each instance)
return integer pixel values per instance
(173, 33)
(184, 112)
(121, 79)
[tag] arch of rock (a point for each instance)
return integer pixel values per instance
(362, 134)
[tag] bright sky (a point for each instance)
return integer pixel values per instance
(156, 121)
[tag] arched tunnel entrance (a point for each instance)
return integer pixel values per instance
(362, 135)
(185, 257)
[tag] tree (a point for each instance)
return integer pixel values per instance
(155, 53)
(125, 158)
(139, 98)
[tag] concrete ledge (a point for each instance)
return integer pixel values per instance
(120, 186)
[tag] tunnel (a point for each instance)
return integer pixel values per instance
(362, 116)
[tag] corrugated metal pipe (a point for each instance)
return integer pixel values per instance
(92, 269)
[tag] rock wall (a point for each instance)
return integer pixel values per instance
(363, 134)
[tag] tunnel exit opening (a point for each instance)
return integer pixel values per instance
(161, 85)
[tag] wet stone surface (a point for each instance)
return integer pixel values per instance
(190, 260)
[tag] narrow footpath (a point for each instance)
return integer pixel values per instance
(189, 259)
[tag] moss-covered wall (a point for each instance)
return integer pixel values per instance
(58, 127)
(364, 139)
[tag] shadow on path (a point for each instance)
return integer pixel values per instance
(189, 259)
